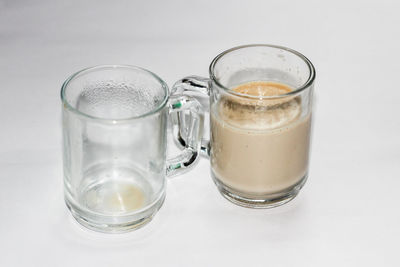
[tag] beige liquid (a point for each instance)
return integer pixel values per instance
(259, 146)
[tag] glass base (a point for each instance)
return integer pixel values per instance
(259, 202)
(114, 223)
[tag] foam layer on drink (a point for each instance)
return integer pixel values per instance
(262, 88)
(260, 113)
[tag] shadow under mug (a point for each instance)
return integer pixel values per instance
(259, 145)
(114, 120)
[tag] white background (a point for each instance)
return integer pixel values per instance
(346, 215)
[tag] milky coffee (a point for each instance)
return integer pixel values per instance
(259, 146)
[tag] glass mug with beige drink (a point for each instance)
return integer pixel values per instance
(260, 122)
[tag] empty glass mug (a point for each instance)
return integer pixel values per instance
(114, 121)
(260, 122)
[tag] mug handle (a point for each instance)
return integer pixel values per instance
(199, 86)
(181, 106)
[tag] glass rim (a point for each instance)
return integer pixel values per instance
(296, 90)
(67, 105)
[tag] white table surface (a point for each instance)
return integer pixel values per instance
(346, 215)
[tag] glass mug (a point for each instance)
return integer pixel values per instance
(260, 122)
(114, 121)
